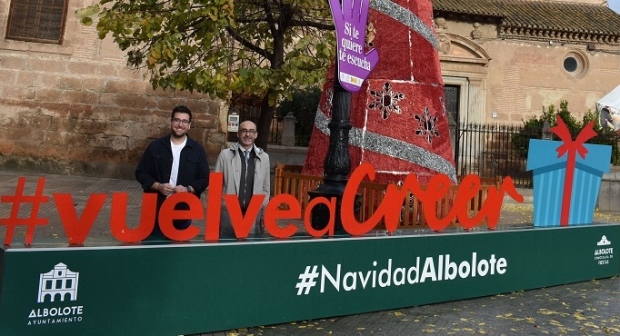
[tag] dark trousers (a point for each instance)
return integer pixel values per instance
(179, 224)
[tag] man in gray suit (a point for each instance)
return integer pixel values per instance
(246, 172)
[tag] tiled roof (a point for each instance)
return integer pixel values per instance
(472, 7)
(546, 15)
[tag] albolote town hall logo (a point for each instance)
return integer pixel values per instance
(58, 283)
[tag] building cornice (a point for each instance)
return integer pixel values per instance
(566, 22)
(538, 34)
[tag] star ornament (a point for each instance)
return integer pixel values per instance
(386, 100)
(427, 125)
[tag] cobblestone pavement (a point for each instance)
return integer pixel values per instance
(586, 308)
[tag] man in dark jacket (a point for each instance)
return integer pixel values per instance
(172, 164)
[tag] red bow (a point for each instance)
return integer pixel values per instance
(571, 147)
(561, 130)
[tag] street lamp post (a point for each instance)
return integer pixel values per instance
(350, 21)
(337, 164)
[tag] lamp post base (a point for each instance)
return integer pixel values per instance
(320, 215)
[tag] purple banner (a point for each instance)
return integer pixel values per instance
(354, 65)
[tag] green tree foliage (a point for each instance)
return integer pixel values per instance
(532, 129)
(223, 46)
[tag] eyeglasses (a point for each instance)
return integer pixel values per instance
(182, 121)
(247, 131)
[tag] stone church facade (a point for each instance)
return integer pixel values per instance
(503, 60)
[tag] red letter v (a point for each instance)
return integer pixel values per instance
(77, 229)
(118, 218)
(243, 225)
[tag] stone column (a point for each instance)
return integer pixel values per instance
(477, 102)
(288, 130)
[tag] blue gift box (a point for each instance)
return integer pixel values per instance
(550, 177)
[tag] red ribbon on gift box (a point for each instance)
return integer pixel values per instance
(572, 147)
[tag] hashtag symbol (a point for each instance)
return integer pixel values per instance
(306, 280)
(18, 199)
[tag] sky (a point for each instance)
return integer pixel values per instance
(614, 4)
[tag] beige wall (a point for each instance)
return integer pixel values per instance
(516, 78)
(77, 109)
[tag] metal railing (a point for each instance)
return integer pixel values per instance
(497, 150)
(487, 150)
(275, 131)
(491, 151)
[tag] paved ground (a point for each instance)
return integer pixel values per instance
(586, 308)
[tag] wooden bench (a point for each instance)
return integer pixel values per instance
(289, 180)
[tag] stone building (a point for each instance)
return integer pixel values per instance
(70, 105)
(503, 60)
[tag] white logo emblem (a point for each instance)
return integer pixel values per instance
(59, 281)
(603, 242)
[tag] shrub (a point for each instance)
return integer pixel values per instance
(532, 129)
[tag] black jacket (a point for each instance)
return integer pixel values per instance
(156, 166)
